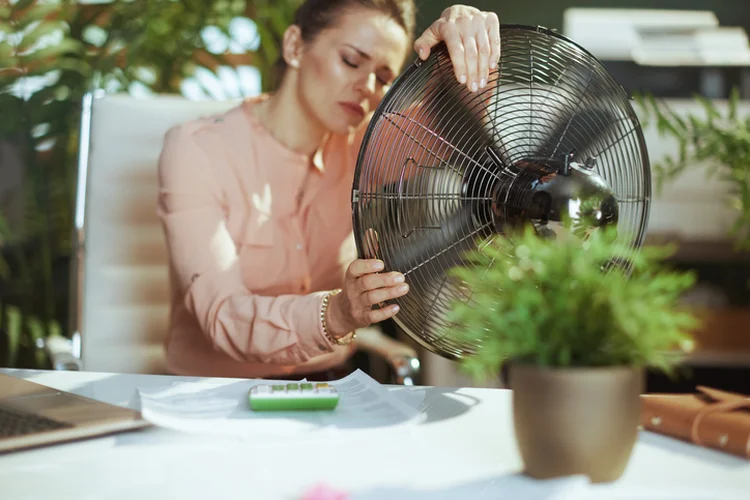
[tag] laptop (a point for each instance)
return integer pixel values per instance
(33, 415)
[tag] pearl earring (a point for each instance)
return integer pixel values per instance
(294, 63)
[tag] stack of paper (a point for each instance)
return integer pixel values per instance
(221, 408)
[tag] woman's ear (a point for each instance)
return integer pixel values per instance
(292, 46)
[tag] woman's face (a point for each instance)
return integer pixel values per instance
(345, 71)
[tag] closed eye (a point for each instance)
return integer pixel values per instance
(346, 61)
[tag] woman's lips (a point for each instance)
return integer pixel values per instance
(354, 109)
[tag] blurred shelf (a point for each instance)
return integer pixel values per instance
(723, 339)
(719, 358)
(700, 250)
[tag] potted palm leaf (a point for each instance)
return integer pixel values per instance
(577, 333)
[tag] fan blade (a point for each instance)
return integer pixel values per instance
(583, 132)
(552, 101)
(458, 116)
(548, 124)
(435, 247)
(426, 258)
(426, 311)
(430, 199)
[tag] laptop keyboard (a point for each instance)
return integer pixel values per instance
(15, 423)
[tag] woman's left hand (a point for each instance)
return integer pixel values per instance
(473, 41)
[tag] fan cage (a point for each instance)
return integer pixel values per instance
(426, 183)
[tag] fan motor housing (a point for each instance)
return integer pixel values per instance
(545, 192)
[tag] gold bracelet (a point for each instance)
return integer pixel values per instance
(323, 311)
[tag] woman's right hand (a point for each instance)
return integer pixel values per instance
(364, 286)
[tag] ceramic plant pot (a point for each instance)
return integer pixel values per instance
(576, 420)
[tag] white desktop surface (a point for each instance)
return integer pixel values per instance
(463, 448)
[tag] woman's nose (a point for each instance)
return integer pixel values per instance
(368, 85)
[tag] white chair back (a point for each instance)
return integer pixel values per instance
(120, 302)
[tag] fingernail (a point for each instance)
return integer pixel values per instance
(421, 52)
(399, 279)
(378, 265)
(403, 288)
(462, 79)
(473, 86)
(395, 308)
(482, 83)
(493, 65)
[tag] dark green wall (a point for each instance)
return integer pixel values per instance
(549, 13)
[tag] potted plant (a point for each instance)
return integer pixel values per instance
(576, 331)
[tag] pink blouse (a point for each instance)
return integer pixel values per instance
(249, 262)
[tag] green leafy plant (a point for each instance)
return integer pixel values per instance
(563, 303)
(4, 235)
(719, 142)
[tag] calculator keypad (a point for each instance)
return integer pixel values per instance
(293, 396)
(293, 389)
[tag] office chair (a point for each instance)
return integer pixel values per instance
(120, 293)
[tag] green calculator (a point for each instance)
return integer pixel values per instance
(300, 396)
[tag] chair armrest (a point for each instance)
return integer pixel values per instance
(60, 352)
(401, 359)
(405, 370)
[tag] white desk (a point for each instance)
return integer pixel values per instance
(464, 448)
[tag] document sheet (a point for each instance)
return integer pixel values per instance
(222, 408)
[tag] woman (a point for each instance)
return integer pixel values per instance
(255, 203)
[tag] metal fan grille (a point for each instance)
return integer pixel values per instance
(434, 154)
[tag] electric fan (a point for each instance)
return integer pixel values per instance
(442, 170)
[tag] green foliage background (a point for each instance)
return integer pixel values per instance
(718, 141)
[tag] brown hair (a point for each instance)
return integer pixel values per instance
(315, 16)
